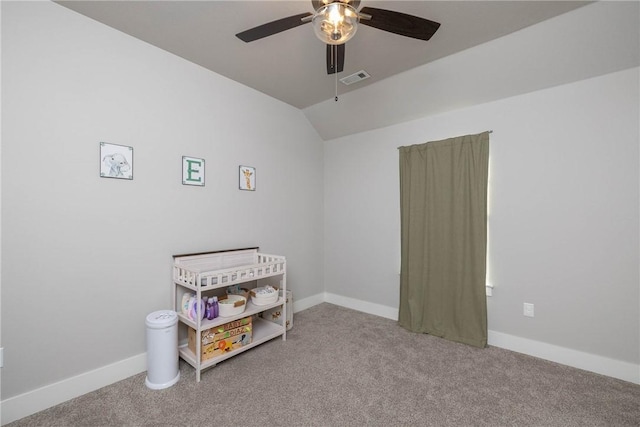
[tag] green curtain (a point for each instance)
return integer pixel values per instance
(443, 210)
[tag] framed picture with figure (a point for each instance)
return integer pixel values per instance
(116, 161)
(247, 178)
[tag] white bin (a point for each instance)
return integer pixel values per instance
(162, 349)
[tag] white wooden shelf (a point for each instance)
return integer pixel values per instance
(249, 311)
(263, 331)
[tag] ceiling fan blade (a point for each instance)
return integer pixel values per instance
(272, 28)
(400, 23)
(335, 58)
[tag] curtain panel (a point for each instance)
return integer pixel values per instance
(443, 210)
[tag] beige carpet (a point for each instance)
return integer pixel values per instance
(340, 367)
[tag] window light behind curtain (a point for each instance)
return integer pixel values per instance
(443, 210)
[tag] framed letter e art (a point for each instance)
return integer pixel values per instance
(192, 171)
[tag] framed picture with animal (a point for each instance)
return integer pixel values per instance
(247, 178)
(116, 161)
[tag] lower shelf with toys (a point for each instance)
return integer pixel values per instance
(261, 331)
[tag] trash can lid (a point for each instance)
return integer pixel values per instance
(162, 319)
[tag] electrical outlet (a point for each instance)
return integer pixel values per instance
(528, 309)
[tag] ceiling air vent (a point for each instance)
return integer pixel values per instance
(355, 77)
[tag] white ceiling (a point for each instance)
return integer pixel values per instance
(290, 66)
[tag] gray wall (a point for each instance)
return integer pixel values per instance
(84, 258)
(563, 220)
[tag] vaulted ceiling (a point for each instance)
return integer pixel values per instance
(290, 66)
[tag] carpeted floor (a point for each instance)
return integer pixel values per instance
(341, 367)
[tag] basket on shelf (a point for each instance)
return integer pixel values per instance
(237, 290)
(264, 295)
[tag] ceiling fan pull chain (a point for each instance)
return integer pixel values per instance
(334, 54)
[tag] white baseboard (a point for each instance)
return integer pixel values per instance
(565, 356)
(308, 302)
(364, 306)
(29, 403)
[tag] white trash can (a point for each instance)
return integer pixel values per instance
(162, 349)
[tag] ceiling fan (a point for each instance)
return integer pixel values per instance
(336, 21)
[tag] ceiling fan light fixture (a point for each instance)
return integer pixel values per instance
(335, 23)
